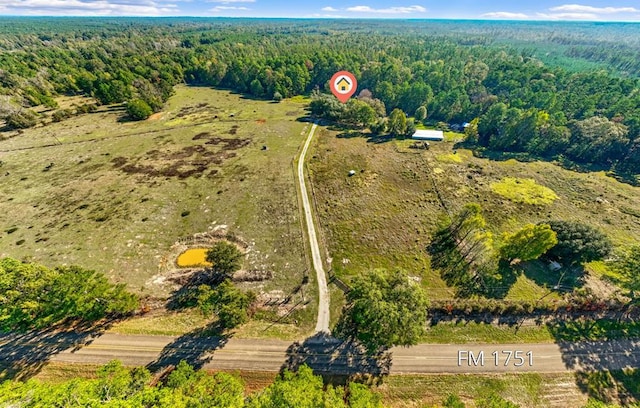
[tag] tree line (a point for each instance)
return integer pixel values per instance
(519, 103)
(117, 386)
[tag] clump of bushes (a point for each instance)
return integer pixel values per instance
(22, 119)
(573, 303)
(137, 109)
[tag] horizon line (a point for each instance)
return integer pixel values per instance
(324, 18)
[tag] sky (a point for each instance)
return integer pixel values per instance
(594, 10)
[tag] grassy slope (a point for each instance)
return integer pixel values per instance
(84, 210)
(383, 216)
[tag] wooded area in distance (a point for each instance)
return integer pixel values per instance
(552, 90)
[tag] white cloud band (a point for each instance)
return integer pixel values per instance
(389, 10)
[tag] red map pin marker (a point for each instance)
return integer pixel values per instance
(343, 85)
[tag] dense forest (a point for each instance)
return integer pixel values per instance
(486, 74)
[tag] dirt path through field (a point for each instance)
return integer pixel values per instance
(322, 324)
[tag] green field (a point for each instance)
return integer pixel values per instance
(124, 197)
(526, 390)
(385, 215)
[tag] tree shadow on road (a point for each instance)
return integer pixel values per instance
(25, 354)
(337, 361)
(606, 367)
(196, 348)
(600, 355)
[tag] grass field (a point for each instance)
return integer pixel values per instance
(116, 196)
(526, 390)
(384, 215)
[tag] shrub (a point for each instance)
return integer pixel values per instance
(137, 109)
(21, 120)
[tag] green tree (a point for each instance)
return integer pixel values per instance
(300, 390)
(303, 389)
(200, 389)
(327, 106)
(360, 396)
(378, 106)
(597, 139)
(137, 109)
(528, 243)
(229, 303)
(359, 113)
(225, 258)
(33, 296)
(379, 127)
(471, 131)
(77, 293)
(277, 96)
(490, 124)
(397, 124)
(411, 129)
(421, 113)
(463, 251)
(579, 243)
(384, 309)
(256, 88)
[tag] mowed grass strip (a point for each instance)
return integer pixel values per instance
(469, 332)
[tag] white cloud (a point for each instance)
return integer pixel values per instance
(580, 9)
(582, 12)
(217, 9)
(82, 8)
(231, 1)
(390, 10)
(505, 14)
(330, 9)
(568, 16)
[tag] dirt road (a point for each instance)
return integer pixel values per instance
(322, 324)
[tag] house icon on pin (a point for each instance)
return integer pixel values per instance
(343, 84)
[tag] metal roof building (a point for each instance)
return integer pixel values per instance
(423, 134)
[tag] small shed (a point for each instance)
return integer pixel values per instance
(433, 135)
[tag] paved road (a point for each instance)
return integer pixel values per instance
(325, 354)
(322, 324)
